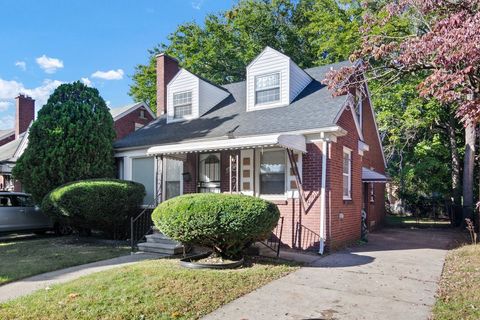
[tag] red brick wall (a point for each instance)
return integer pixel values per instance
(344, 216)
(373, 159)
(126, 124)
(301, 228)
(190, 166)
(7, 139)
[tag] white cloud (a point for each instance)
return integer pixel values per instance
(109, 75)
(86, 82)
(4, 105)
(108, 103)
(197, 4)
(21, 64)
(6, 122)
(49, 65)
(9, 89)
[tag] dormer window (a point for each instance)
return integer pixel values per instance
(267, 88)
(182, 104)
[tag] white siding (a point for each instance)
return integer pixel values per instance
(299, 79)
(204, 95)
(183, 81)
(269, 61)
(210, 96)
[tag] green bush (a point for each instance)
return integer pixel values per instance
(227, 223)
(100, 204)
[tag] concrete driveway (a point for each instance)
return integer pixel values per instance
(393, 277)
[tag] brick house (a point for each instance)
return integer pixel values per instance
(279, 135)
(13, 142)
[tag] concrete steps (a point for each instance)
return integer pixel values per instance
(159, 243)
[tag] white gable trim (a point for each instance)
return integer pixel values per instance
(133, 108)
(349, 103)
(267, 48)
(375, 123)
(7, 134)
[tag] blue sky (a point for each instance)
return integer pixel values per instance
(45, 43)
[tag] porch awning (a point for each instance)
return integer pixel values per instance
(372, 176)
(288, 141)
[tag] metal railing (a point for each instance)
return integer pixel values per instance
(274, 242)
(142, 224)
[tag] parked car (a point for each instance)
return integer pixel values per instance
(18, 212)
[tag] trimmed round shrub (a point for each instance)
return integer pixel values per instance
(100, 204)
(224, 222)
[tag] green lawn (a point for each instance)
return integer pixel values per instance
(410, 221)
(155, 289)
(459, 292)
(20, 258)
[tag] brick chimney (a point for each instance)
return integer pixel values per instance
(167, 68)
(25, 113)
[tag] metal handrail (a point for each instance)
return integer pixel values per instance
(274, 242)
(134, 238)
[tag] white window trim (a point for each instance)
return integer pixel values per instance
(349, 151)
(359, 102)
(187, 116)
(259, 106)
(273, 197)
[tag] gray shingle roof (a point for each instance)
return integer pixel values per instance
(119, 110)
(313, 108)
(7, 151)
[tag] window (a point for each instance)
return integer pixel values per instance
(372, 193)
(173, 178)
(142, 114)
(143, 171)
(347, 174)
(25, 201)
(182, 104)
(272, 172)
(267, 88)
(6, 201)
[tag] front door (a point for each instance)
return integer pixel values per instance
(209, 172)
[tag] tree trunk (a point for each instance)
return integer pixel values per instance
(468, 167)
(456, 179)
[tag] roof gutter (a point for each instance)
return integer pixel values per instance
(323, 195)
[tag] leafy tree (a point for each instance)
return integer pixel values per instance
(70, 140)
(221, 48)
(441, 38)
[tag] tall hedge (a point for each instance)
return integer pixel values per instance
(70, 140)
(100, 204)
(224, 222)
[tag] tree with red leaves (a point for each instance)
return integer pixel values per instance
(439, 39)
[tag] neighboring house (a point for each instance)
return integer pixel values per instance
(126, 120)
(279, 135)
(131, 117)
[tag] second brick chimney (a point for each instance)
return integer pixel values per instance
(167, 68)
(25, 113)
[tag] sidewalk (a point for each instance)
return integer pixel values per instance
(28, 285)
(393, 277)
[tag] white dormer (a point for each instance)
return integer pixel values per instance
(189, 96)
(273, 80)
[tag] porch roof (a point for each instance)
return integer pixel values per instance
(288, 141)
(373, 176)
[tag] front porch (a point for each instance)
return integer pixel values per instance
(270, 167)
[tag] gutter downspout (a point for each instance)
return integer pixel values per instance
(323, 202)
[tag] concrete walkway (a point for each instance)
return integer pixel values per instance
(393, 277)
(28, 285)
